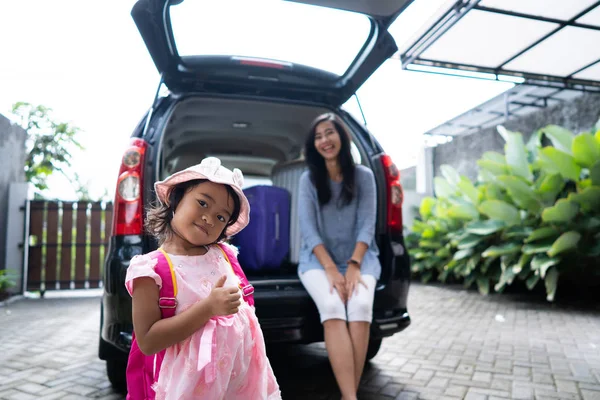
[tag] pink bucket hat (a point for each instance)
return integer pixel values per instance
(210, 169)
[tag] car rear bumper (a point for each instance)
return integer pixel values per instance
(286, 316)
(285, 311)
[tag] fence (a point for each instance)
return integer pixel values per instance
(67, 243)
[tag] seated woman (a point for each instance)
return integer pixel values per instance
(339, 264)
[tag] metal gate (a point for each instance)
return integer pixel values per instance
(65, 244)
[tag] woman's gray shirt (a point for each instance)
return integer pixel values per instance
(339, 228)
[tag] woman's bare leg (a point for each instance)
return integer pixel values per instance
(359, 335)
(341, 356)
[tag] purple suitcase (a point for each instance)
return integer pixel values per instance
(265, 242)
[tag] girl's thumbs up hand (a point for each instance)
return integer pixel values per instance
(224, 300)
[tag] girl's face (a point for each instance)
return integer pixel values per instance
(203, 213)
(327, 140)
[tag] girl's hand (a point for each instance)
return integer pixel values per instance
(223, 300)
(353, 279)
(337, 281)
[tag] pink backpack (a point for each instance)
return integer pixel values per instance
(142, 370)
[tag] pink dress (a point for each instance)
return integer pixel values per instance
(226, 359)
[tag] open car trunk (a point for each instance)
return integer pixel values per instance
(195, 52)
(263, 139)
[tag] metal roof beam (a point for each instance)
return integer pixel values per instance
(440, 27)
(561, 25)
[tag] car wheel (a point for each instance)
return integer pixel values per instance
(373, 349)
(116, 369)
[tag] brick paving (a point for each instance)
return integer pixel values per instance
(460, 346)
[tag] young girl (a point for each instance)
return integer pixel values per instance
(214, 345)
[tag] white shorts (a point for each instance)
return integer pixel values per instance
(330, 305)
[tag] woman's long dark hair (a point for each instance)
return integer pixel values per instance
(316, 162)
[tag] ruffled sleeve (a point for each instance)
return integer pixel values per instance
(139, 267)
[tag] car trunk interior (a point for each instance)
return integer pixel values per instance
(263, 139)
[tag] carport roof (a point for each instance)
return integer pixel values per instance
(517, 101)
(542, 42)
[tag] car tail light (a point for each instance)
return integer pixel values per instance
(395, 195)
(128, 217)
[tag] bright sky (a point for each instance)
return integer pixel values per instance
(87, 61)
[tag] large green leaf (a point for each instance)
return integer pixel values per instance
(472, 263)
(500, 210)
(523, 262)
(484, 228)
(534, 143)
(542, 262)
(469, 241)
(561, 138)
(566, 242)
(463, 212)
(421, 255)
(563, 211)
(507, 277)
(553, 160)
(441, 210)
(551, 282)
(442, 188)
(419, 226)
(429, 244)
(532, 281)
(452, 176)
(583, 184)
(537, 248)
(550, 186)
(494, 156)
(427, 207)
(588, 199)
(429, 233)
(521, 193)
(494, 167)
(518, 232)
(586, 149)
(493, 191)
(595, 173)
(462, 254)
(469, 190)
(516, 154)
(485, 176)
(483, 284)
(501, 250)
(542, 233)
(444, 252)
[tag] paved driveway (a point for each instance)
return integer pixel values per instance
(460, 346)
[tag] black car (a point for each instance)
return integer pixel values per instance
(254, 114)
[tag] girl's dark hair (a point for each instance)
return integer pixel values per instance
(159, 216)
(316, 162)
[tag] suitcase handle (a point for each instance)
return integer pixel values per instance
(277, 226)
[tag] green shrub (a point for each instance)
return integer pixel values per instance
(533, 214)
(5, 281)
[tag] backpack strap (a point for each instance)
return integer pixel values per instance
(245, 286)
(167, 296)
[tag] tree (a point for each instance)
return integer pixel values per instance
(49, 143)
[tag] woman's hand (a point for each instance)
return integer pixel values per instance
(353, 278)
(337, 281)
(224, 300)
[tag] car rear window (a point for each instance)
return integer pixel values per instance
(314, 36)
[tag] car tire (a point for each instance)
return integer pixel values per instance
(116, 369)
(373, 349)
